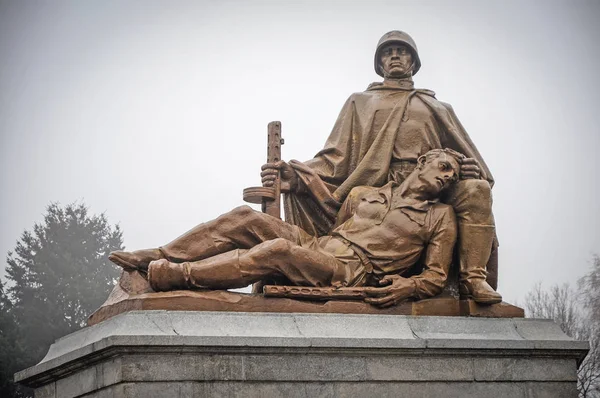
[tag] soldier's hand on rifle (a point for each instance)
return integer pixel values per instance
(289, 179)
(396, 290)
(470, 168)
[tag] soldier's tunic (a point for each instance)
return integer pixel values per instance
(378, 233)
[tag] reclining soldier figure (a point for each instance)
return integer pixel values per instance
(380, 235)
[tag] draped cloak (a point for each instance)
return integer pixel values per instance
(359, 153)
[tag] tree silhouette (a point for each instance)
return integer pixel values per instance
(57, 275)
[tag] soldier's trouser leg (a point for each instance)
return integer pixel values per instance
(472, 203)
(241, 228)
(239, 268)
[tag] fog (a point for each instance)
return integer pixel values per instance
(155, 112)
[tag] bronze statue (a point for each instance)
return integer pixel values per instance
(380, 235)
(378, 137)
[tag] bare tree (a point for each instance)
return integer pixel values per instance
(578, 315)
(588, 374)
(558, 303)
(589, 286)
(589, 290)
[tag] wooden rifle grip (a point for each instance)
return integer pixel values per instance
(274, 142)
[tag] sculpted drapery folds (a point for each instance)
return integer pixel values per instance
(378, 137)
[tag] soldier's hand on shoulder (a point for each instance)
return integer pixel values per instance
(470, 168)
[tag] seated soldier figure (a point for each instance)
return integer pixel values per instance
(380, 234)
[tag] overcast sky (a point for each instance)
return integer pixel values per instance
(155, 112)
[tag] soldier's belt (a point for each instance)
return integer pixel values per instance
(366, 262)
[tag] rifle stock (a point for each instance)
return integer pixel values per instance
(315, 293)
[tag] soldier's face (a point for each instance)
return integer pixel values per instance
(396, 60)
(439, 173)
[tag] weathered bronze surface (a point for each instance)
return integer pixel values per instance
(378, 137)
(398, 193)
(380, 236)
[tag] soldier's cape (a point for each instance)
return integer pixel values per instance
(354, 155)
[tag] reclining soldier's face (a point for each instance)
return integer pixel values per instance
(396, 60)
(438, 173)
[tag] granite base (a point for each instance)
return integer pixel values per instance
(214, 354)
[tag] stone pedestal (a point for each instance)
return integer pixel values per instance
(216, 354)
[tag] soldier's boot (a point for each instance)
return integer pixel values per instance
(475, 246)
(137, 260)
(217, 273)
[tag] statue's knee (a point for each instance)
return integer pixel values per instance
(280, 246)
(239, 216)
(243, 211)
(473, 202)
(476, 189)
(243, 214)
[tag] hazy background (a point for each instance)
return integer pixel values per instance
(155, 112)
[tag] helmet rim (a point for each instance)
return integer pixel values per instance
(397, 36)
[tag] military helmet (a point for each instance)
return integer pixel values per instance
(397, 36)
